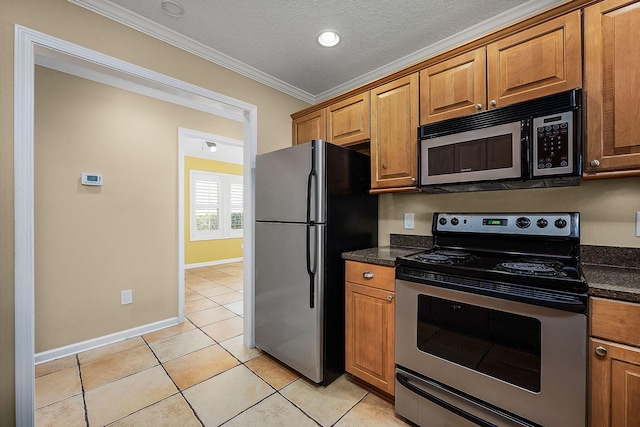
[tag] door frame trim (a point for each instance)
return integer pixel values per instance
(33, 48)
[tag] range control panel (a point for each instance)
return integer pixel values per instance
(531, 224)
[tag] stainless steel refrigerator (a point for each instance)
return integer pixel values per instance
(312, 204)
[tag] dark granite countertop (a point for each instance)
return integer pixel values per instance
(620, 282)
(382, 255)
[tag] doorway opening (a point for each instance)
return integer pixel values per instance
(34, 48)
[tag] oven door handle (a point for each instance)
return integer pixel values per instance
(452, 408)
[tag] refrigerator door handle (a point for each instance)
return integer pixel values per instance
(310, 223)
(310, 271)
(311, 179)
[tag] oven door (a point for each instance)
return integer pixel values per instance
(488, 356)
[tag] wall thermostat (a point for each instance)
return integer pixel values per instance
(91, 178)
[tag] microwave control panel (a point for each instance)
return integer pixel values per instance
(553, 144)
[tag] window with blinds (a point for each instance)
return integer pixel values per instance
(216, 205)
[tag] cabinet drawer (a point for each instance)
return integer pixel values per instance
(376, 276)
(615, 321)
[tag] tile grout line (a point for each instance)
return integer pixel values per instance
(84, 400)
(195, 414)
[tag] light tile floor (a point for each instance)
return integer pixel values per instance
(197, 373)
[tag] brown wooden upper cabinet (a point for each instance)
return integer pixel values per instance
(455, 87)
(531, 63)
(612, 89)
(348, 120)
(394, 123)
(343, 123)
(310, 126)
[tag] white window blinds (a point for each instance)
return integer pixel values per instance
(216, 205)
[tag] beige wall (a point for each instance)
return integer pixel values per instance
(91, 243)
(62, 19)
(607, 208)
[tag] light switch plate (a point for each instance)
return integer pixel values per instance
(638, 224)
(408, 221)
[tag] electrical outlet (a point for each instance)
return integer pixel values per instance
(408, 221)
(638, 224)
(126, 297)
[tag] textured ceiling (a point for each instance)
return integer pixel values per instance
(275, 40)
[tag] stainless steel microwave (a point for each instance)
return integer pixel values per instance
(531, 144)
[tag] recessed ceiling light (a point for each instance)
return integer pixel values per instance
(328, 38)
(172, 7)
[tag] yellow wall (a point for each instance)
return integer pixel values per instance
(203, 251)
(60, 18)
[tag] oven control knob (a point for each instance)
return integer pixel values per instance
(542, 223)
(523, 222)
(442, 221)
(561, 223)
(454, 221)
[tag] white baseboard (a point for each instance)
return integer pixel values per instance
(68, 350)
(208, 263)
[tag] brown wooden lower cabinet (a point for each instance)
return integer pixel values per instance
(615, 367)
(370, 312)
(615, 384)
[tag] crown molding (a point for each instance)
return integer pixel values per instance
(148, 27)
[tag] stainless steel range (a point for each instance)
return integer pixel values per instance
(491, 325)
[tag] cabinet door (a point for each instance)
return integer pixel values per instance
(348, 120)
(394, 135)
(310, 126)
(370, 336)
(612, 87)
(536, 62)
(454, 87)
(615, 384)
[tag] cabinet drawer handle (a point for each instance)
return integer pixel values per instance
(601, 351)
(367, 275)
(390, 298)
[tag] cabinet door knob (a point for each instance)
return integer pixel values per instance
(493, 103)
(390, 298)
(601, 351)
(478, 106)
(367, 275)
(413, 180)
(595, 163)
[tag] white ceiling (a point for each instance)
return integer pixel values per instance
(275, 41)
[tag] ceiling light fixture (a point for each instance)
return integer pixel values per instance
(212, 146)
(172, 7)
(328, 38)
